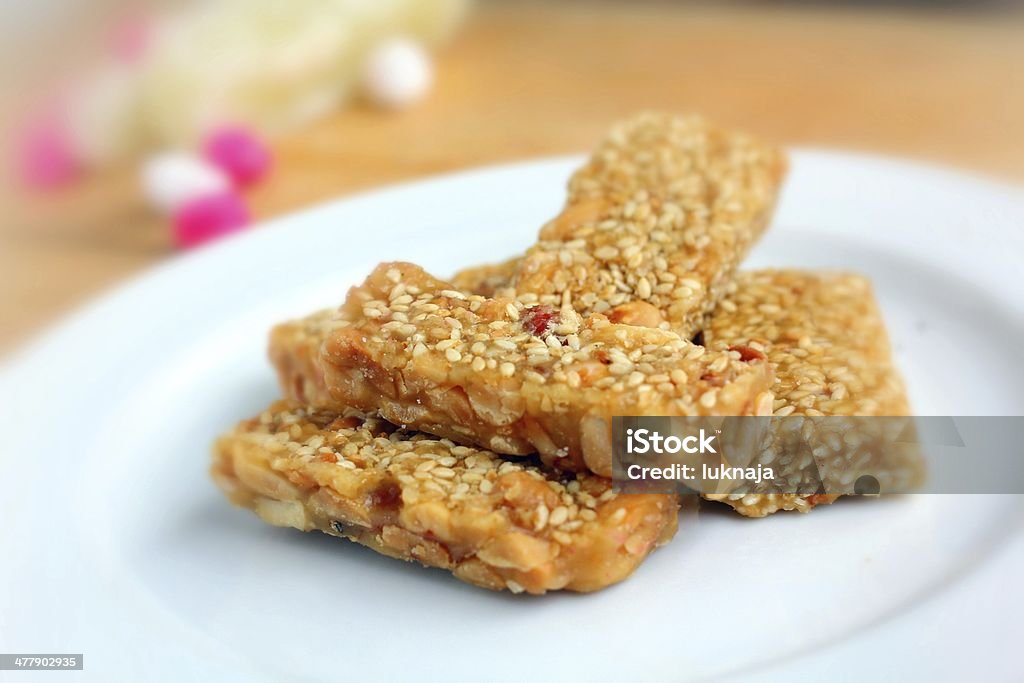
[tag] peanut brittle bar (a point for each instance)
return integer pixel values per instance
(825, 338)
(493, 523)
(513, 378)
(655, 224)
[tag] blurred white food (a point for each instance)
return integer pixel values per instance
(269, 64)
(172, 179)
(398, 72)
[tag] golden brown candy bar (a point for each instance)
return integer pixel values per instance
(655, 224)
(494, 523)
(519, 379)
(824, 335)
(513, 378)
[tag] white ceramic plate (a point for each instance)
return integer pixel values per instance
(118, 546)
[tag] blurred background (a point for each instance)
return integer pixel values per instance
(134, 131)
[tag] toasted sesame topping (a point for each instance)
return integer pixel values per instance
(824, 335)
(490, 520)
(662, 213)
(511, 371)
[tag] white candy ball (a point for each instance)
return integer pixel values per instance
(172, 179)
(397, 73)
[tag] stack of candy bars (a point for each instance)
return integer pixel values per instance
(464, 424)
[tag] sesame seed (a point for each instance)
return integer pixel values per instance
(620, 368)
(534, 377)
(709, 399)
(541, 517)
(559, 515)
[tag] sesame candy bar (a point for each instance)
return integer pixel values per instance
(655, 224)
(824, 335)
(491, 522)
(514, 378)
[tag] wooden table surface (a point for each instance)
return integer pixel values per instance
(527, 80)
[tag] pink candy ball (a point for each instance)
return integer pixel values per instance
(46, 155)
(239, 153)
(207, 218)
